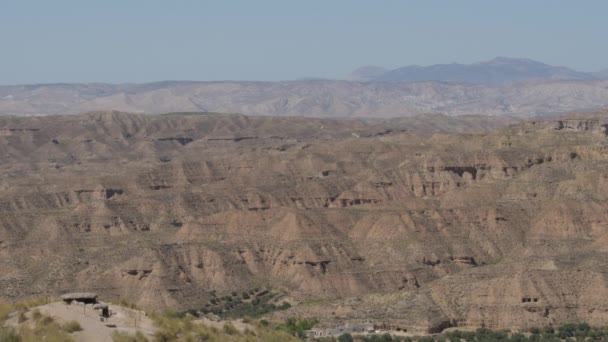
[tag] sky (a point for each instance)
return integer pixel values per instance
(116, 41)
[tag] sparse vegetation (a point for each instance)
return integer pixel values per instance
(230, 329)
(174, 328)
(253, 303)
(127, 304)
(183, 327)
(297, 327)
(36, 315)
(8, 334)
(21, 317)
(21, 306)
(71, 327)
(345, 338)
(5, 310)
(44, 329)
(124, 337)
(564, 332)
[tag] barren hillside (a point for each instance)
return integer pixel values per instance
(333, 99)
(352, 219)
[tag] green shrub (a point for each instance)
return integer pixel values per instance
(583, 327)
(5, 310)
(21, 317)
(284, 306)
(297, 327)
(517, 337)
(36, 315)
(118, 336)
(345, 338)
(8, 334)
(46, 320)
(46, 329)
(230, 329)
(71, 327)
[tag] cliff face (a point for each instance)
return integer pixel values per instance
(507, 228)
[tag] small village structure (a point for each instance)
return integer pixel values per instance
(80, 297)
(357, 328)
(88, 298)
(105, 309)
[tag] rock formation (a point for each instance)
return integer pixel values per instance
(502, 228)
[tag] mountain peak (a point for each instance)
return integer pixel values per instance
(366, 72)
(495, 71)
(511, 60)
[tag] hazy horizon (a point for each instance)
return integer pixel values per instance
(68, 41)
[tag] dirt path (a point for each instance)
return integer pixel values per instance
(125, 320)
(94, 330)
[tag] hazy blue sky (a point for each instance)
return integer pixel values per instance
(141, 41)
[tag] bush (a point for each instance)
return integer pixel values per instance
(71, 327)
(46, 329)
(125, 303)
(297, 327)
(284, 306)
(8, 334)
(22, 317)
(124, 337)
(246, 295)
(36, 315)
(345, 338)
(424, 339)
(5, 310)
(566, 330)
(583, 327)
(230, 329)
(517, 337)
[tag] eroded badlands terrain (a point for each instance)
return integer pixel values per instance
(392, 220)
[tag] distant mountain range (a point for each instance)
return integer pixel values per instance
(502, 86)
(496, 71)
(603, 75)
(318, 98)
